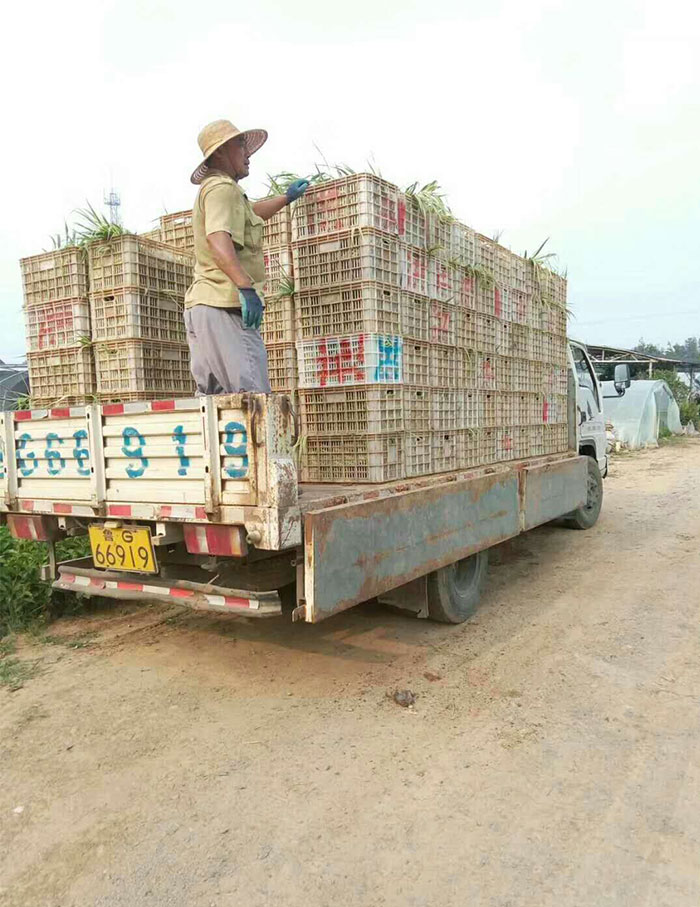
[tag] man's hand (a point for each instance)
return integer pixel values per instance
(252, 307)
(296, 189)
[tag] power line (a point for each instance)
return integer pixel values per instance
(641, 317)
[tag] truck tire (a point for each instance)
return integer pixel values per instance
(455, 591)
(586, 516)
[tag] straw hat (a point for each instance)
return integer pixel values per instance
(215, 134)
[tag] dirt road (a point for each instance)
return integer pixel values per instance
(552, 756)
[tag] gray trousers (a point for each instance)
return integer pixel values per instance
(225, 357)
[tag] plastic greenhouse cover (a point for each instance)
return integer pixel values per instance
(645, 408)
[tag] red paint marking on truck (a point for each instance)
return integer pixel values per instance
(62, 508)
(63, 413)
(94, 581)
(26, 505)
(180, 593)
(162, 405)
(113, 409)
(22, 415)
(131, 587)
(200, 513)
(119, 510)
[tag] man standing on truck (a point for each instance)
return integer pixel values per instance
(224, 305)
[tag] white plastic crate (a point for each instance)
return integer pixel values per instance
(554, 409)
(462, 244)
(127, 314)
(144, 366)
(282, 367)
(471, 408)
(443, 281)
(56, 325)
(445, 323)
(488, 371)
(279, 271)
(354, 309)
(448, 409)
(412, 228)
(353, 458)
(439, 236)
(277, 230)
(446, 366)
(446, 454)
(418, 453)
(352, 410)
(416, 363)
(417, 409)
(176, 230)
(360, 200)
(57, 275)
(358, 359)
(62, 375)
(278, 321)
(345, 258)
(555, 438)
(516, 375)
(468, 448)
(414, 270)
(415, 317)
(129, 261)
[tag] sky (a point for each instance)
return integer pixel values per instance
(576, 122)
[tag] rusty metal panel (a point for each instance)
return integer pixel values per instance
(553, 489)
(354, 552)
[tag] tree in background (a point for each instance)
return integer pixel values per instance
(688, 406)
(688, 350)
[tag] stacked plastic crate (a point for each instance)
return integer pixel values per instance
(57, 323)
(278, 329)
(422, 346)
(347, 277)
(176, 230)
(137, 288)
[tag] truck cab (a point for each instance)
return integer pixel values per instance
(589, 407)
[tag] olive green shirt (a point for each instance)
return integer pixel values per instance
(221, 205)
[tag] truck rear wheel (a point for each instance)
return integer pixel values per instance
(455, 591)
(587, 515)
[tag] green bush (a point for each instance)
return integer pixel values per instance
(25, 599)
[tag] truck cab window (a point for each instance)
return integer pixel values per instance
(584, 375)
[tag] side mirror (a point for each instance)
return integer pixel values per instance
(622, 378)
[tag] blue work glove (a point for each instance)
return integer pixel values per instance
(252, 307)
(296, 190)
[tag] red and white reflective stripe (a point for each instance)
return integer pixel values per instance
(158, 511)
(225, 541)
(58, 507)
(225, 601)
(59, 412)
(151, 406)
(27, 527)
